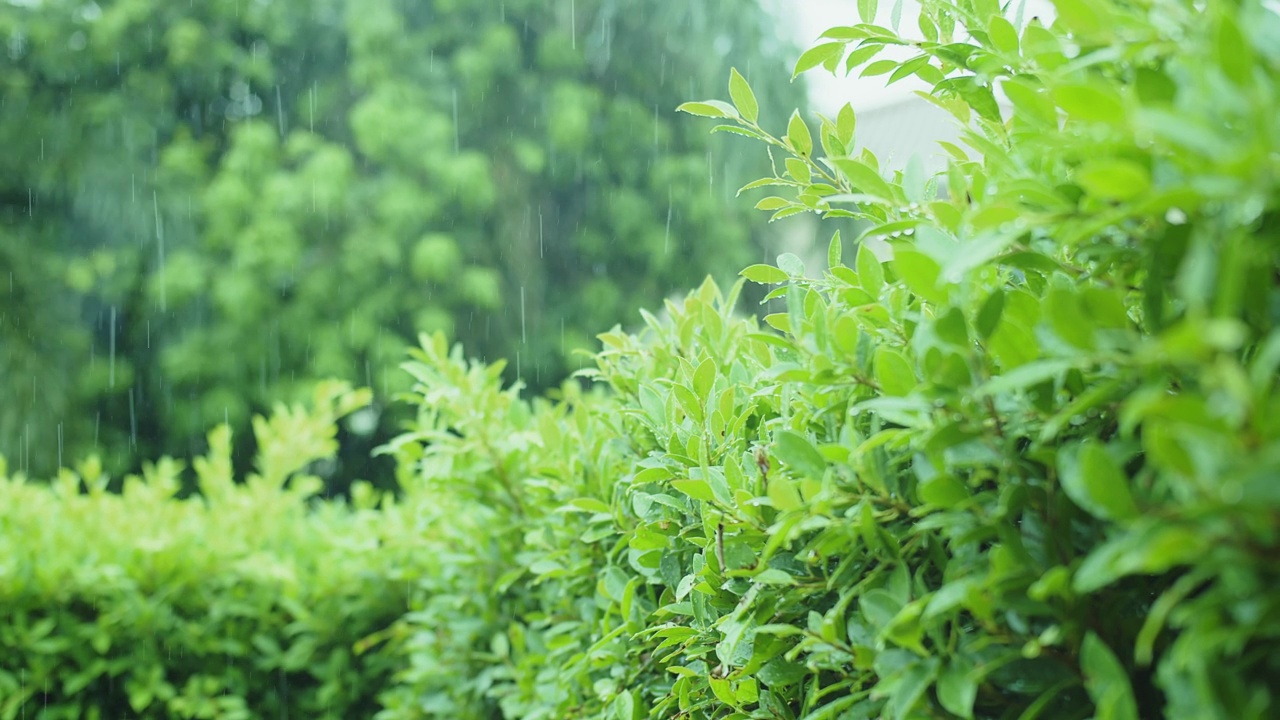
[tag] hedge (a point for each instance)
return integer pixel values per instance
(1013, 456)
(247, 600)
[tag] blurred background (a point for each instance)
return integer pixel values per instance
(205, 207)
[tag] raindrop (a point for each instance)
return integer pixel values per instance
(1175, 216)
(155, 202)
(133, 422)
(455, 120)
(279, 111)
(666, 240)
(112, 362)
(524, 340)
(78, 41)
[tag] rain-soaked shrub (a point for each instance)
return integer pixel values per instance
(246, 601)
(207, 206)
(1017, 455)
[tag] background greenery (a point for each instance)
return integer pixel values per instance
(207, 207)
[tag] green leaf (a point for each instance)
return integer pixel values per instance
(799, 454)
(846, 124)
(1090, 103)
(867, 10)
(1107, 681)
(950, 327)
(1003, 36)
(1078, 16)
(791, 264)
(817, 55)
(764, 274)
(1150, 548)
(989, 314)
(783, 494)
(704, 378)
(893, 372)
(920, 273)
(798, 136)
(709, 108)
(943, 490)
(1066, 316)
(879, 608)
(834, 251)
(734, 129)
(864, 178)
(799, 170)
(870, 271)
(879, 67)
(1113, 179)
(772, 203)
(1093, 480)
(696, 489)
(743, 99)
(590, 505)
(957, 689)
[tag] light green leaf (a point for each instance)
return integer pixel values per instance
(772, 203)
(764, 274)
(870, 271)
(1003, 36)
(1090, 103)
(799, 454)
(920, 272)
(1113, 179)
(743, 99)
(709, 108)
(696, 489)
(846, 124)
(834, 251)
(817, 55)
(893, 372)
(783, 494)
(864, 178)
(798, 135)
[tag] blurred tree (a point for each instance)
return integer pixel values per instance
(208, 206)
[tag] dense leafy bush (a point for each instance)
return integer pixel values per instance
(204, 207)
(244, 602)
(1016, 457)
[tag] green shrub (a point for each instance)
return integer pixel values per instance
(246, 601)
(1016, 457)
(312, 182)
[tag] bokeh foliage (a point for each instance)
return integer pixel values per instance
(208, 206)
